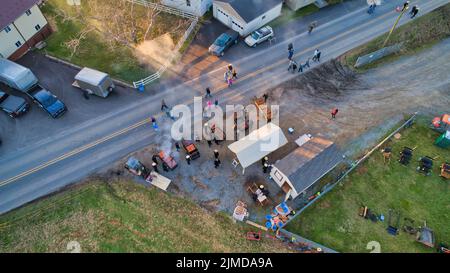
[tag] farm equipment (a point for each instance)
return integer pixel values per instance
(135, 167)
(190, 149)
(425, 165)
(445, 170)
(167, 160)
(405, 156)
(441, 124)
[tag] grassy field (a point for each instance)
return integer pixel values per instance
(288, 15)
(123, 217)
(334, 221)
(418, 34)
(95, 50)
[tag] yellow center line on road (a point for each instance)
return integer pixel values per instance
(143, 122)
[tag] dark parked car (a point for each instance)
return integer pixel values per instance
(47, 101)
(224, 41)
(12, 105)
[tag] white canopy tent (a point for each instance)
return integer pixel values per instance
(258, 144)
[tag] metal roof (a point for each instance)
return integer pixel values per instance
(310, 162)
(10, 10)
(251, 9)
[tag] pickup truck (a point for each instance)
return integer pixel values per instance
(47, 101)
(12, 105)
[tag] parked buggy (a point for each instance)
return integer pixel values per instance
(405, 156)
(425, 165)
(190, 149)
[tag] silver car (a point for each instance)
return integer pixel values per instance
(259, 36)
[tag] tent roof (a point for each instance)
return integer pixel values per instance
(258, 144)
(310, 162)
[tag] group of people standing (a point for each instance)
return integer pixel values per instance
(293, 65)
(230, 75)
(412, 13)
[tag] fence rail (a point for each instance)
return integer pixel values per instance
(153, 77)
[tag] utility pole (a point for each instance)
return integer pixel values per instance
(404, 9)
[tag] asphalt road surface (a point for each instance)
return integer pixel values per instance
(73, 154)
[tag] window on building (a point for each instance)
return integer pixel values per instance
(37, 27)
(28, 12)
(188, 3)
(7, 29)
(18, 43)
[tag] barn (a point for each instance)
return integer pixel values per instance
(245, 16)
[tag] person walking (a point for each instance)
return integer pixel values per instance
(314, 58)
(318, 56)
(234, 74)
(216, 153)
(164, 105)
(208, 93)
(290, 54)
(311, 27)
(294, 66)
(230, 80)
(188, 159)
(154, 124)
(300, 68)
(216, 102)
(414, 11)
(177, 146)
(265, 96)
(371, 8)
(216, 163)
(291, 64)
(405, 6)
(334, 112)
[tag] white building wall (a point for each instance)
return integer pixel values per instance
(280, 179)
(8, 41)
(262, 20)
(242, 27)
(26, 23)
(196, 7)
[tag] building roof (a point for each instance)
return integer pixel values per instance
(258, 144)
(310, 162)
(10, 10)
(251, 9)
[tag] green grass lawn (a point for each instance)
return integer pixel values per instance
(418, 34)
(93, 51)
(288, 15)
(123, 217)
(334, 221)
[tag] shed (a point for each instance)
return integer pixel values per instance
(258, 144)
(245, 16)
(307, 164)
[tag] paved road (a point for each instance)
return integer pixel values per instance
(62, 159)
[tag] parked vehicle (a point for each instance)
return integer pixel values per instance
(16, 76)
(47, 101)
(94, 82)
(12, 105)
(258, 36)
(223, 42)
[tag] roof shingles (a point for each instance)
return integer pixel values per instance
(309, 162)
(10, 10)
(251, 9)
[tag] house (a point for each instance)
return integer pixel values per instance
(195, 7)
(22, 26)
(245, 16)
(302, 168)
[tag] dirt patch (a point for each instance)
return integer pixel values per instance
(210, 205)
(198, 183)
(156, 52)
